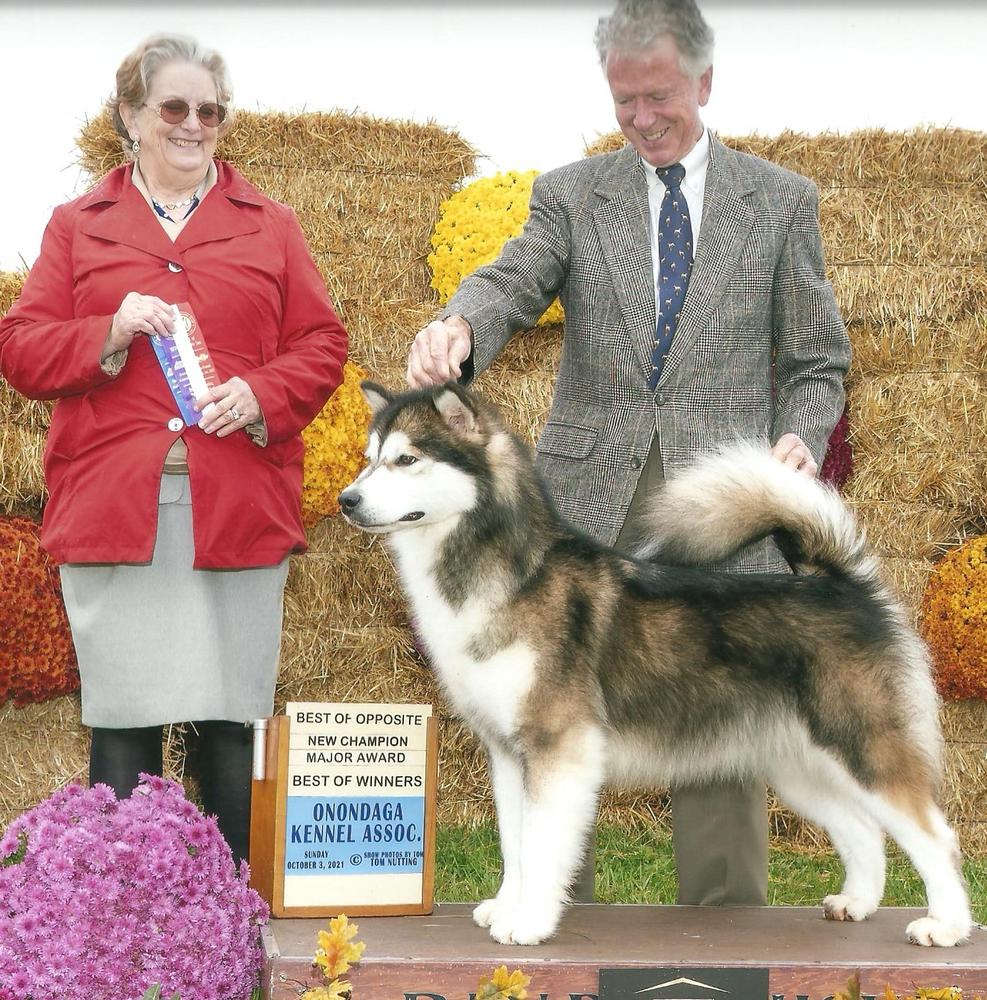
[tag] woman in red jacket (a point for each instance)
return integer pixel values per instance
(173, 537)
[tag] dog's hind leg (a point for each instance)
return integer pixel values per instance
(856, 837)
(916, 823)
(561, 791)
(507, 779)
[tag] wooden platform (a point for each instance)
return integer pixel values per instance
(444, 955)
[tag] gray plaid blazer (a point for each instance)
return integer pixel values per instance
(758, 294)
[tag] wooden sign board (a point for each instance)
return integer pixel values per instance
(343, 810)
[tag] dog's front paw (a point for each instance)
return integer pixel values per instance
(486, 912)
(527, 925)
(932, 932)
(841, 907)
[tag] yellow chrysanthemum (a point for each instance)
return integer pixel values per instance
(473, 226)
(923, 993)
(334, 444)
(954, 620)
(337, 949)
(503, 985)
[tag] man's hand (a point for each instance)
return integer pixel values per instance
(438, 352)
(792, 451)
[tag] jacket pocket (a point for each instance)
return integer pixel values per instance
(71, 423)
(567, 440)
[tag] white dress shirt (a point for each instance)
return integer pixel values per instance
(693, 187)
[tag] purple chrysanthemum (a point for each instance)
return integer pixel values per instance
(106, 898)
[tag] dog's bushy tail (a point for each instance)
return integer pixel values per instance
(740, 494)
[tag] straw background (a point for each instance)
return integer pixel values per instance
(902, 216)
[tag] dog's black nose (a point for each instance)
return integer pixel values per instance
(349, 500)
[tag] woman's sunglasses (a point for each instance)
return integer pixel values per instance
(175, 111)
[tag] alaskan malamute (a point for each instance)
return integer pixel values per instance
(577, 665)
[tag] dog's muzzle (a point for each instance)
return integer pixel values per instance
(349, 503)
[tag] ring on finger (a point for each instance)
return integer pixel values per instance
(234, 414)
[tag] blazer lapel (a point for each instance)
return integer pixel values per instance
(726, 225)
(624, 230)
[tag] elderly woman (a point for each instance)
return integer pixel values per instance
(172, 537)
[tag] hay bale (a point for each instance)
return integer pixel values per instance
(918, 415)
(904, 223)
(352, 575)
(517, 382)
(11, 283)
(965, 721)
(906, 293)
(907, 475)
(919, 346)
(22, 487)
(916, 529)
(23, 425)
(384, 330)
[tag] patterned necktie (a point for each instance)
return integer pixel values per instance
(674, 263)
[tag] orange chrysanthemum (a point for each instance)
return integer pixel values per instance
(37, 657)
(954, 620)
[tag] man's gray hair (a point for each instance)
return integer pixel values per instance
(637, 24)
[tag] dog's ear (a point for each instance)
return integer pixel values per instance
(456, 410)
(377, 396)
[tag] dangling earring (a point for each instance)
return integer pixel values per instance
(136, 146)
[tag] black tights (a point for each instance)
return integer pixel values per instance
(225, 761)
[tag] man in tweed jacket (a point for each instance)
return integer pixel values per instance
(759, 351)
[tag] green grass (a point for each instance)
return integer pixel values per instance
(636, 866)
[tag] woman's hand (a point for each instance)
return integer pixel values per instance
(228, 407)
(138, 314)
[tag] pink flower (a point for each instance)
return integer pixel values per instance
(110, 897)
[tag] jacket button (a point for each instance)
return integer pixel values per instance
(635, 462)
(176, 424)
(659, 398)
(173, 267)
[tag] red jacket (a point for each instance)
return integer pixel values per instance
(242, 264)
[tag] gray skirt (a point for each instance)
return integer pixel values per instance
(164, 642)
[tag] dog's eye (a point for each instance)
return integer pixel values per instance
(405, 460)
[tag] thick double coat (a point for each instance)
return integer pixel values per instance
(242, 264)
(760, 348)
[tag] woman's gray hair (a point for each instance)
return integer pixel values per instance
(637, 24)
(136, 73)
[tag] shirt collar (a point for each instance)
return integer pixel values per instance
(695, 162)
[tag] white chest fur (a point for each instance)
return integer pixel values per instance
(488, 691)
